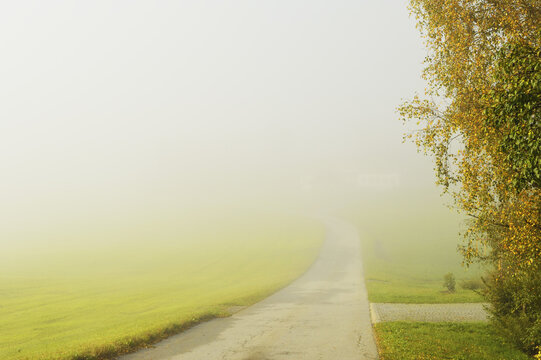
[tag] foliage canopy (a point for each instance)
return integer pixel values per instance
(480, 118)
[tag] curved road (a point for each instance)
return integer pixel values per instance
(324, 314)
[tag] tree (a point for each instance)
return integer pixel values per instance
(480, 119)
(513, 108)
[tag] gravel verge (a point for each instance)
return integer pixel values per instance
(466, 312)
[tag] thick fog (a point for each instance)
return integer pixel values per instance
(120, 109)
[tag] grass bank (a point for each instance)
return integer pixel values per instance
(95, 295)
(440, 341)
(409, 242)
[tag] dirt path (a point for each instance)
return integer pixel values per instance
(322, 315)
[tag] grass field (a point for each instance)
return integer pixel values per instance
(84, 299)
(409, 243)
(442, 341)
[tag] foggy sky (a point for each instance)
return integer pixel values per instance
(161, 104)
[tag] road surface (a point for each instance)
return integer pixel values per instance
(324, 314)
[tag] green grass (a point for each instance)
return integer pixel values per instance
(102, 294)
(409, 242)
(442, 341)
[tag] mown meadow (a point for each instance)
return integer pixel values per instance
(111, 291)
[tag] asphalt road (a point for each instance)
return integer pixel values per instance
(322, 315)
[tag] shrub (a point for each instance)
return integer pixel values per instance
(515, 300)
(472, 284)
(449, 282)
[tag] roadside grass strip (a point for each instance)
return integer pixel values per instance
(442, 341)
(397, 288)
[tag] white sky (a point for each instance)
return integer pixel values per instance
(122, 104)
